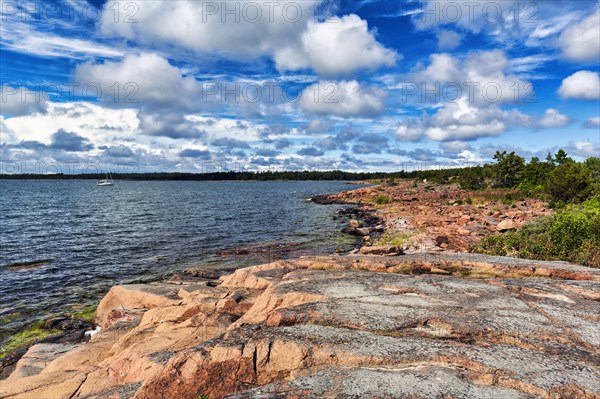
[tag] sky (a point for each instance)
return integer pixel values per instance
(362, 85)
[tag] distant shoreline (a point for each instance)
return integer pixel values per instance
(217, 176)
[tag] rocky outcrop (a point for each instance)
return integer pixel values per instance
(412, 326)
(439, 217)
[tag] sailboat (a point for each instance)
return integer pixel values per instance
(108, 181)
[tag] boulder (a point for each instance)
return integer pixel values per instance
(136, 296)
(506, 225)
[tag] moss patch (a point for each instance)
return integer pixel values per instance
(27, 337)
(86, 313)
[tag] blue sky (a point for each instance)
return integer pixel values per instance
(286, 85)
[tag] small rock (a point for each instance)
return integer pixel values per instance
(391, 250)
(440, 240)
(506, 225)
(354, 223)
(435, 270)
(463, 220)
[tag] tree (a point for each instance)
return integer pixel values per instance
(561, 157)
(535, 174)
(509, 169)
(570, 182)
(593, 164)
(472, 178)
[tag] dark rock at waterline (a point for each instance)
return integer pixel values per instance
(323, 200)
(17, 266)
(356, 231)
(8, 362)
(66, 323)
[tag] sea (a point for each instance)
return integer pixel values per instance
(64, 243)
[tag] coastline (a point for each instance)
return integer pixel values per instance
(276, 327)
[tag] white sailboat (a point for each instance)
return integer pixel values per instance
(106, 182)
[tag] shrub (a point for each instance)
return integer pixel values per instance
(570, 182)
(382, 199)
(572, 234)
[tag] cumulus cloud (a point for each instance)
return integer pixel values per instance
(266, 152)
(318, 126)
(581, 42)
(17, 101)
(584, 148)
(468, 97)
(483, 77)
(455, 147)
(68, 141)
(553, 118)
(346, 99)
(283, 30)
(229, 143)
(145, 79)
(464, 121)
(336, 48)
(195, 153)
(310, 151)
(448, 39)
(172, 125)
(119, 151)
(60, 141)
(583, 85)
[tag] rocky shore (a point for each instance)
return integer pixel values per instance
(411, 326)
(429, 217)
(401, 318)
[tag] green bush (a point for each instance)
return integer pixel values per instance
(572, 234)
(382, 199)
(570, 182)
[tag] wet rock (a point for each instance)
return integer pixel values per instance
(356, 231)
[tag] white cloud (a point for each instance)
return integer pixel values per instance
(584, 149)
(17, 101)
(533, 24)
(581, 42)
(448, 39)
(484, 83)
(464, 121)
(346, 99)
(18, 34)
(582, 85)
(482, 76)
(553, 119)
(408, 132)
(144, 79)
(98, 124)
(283, 30)
(593, 122)
(455, 147)
(442, 68)
(336, 47)
(251, 30)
